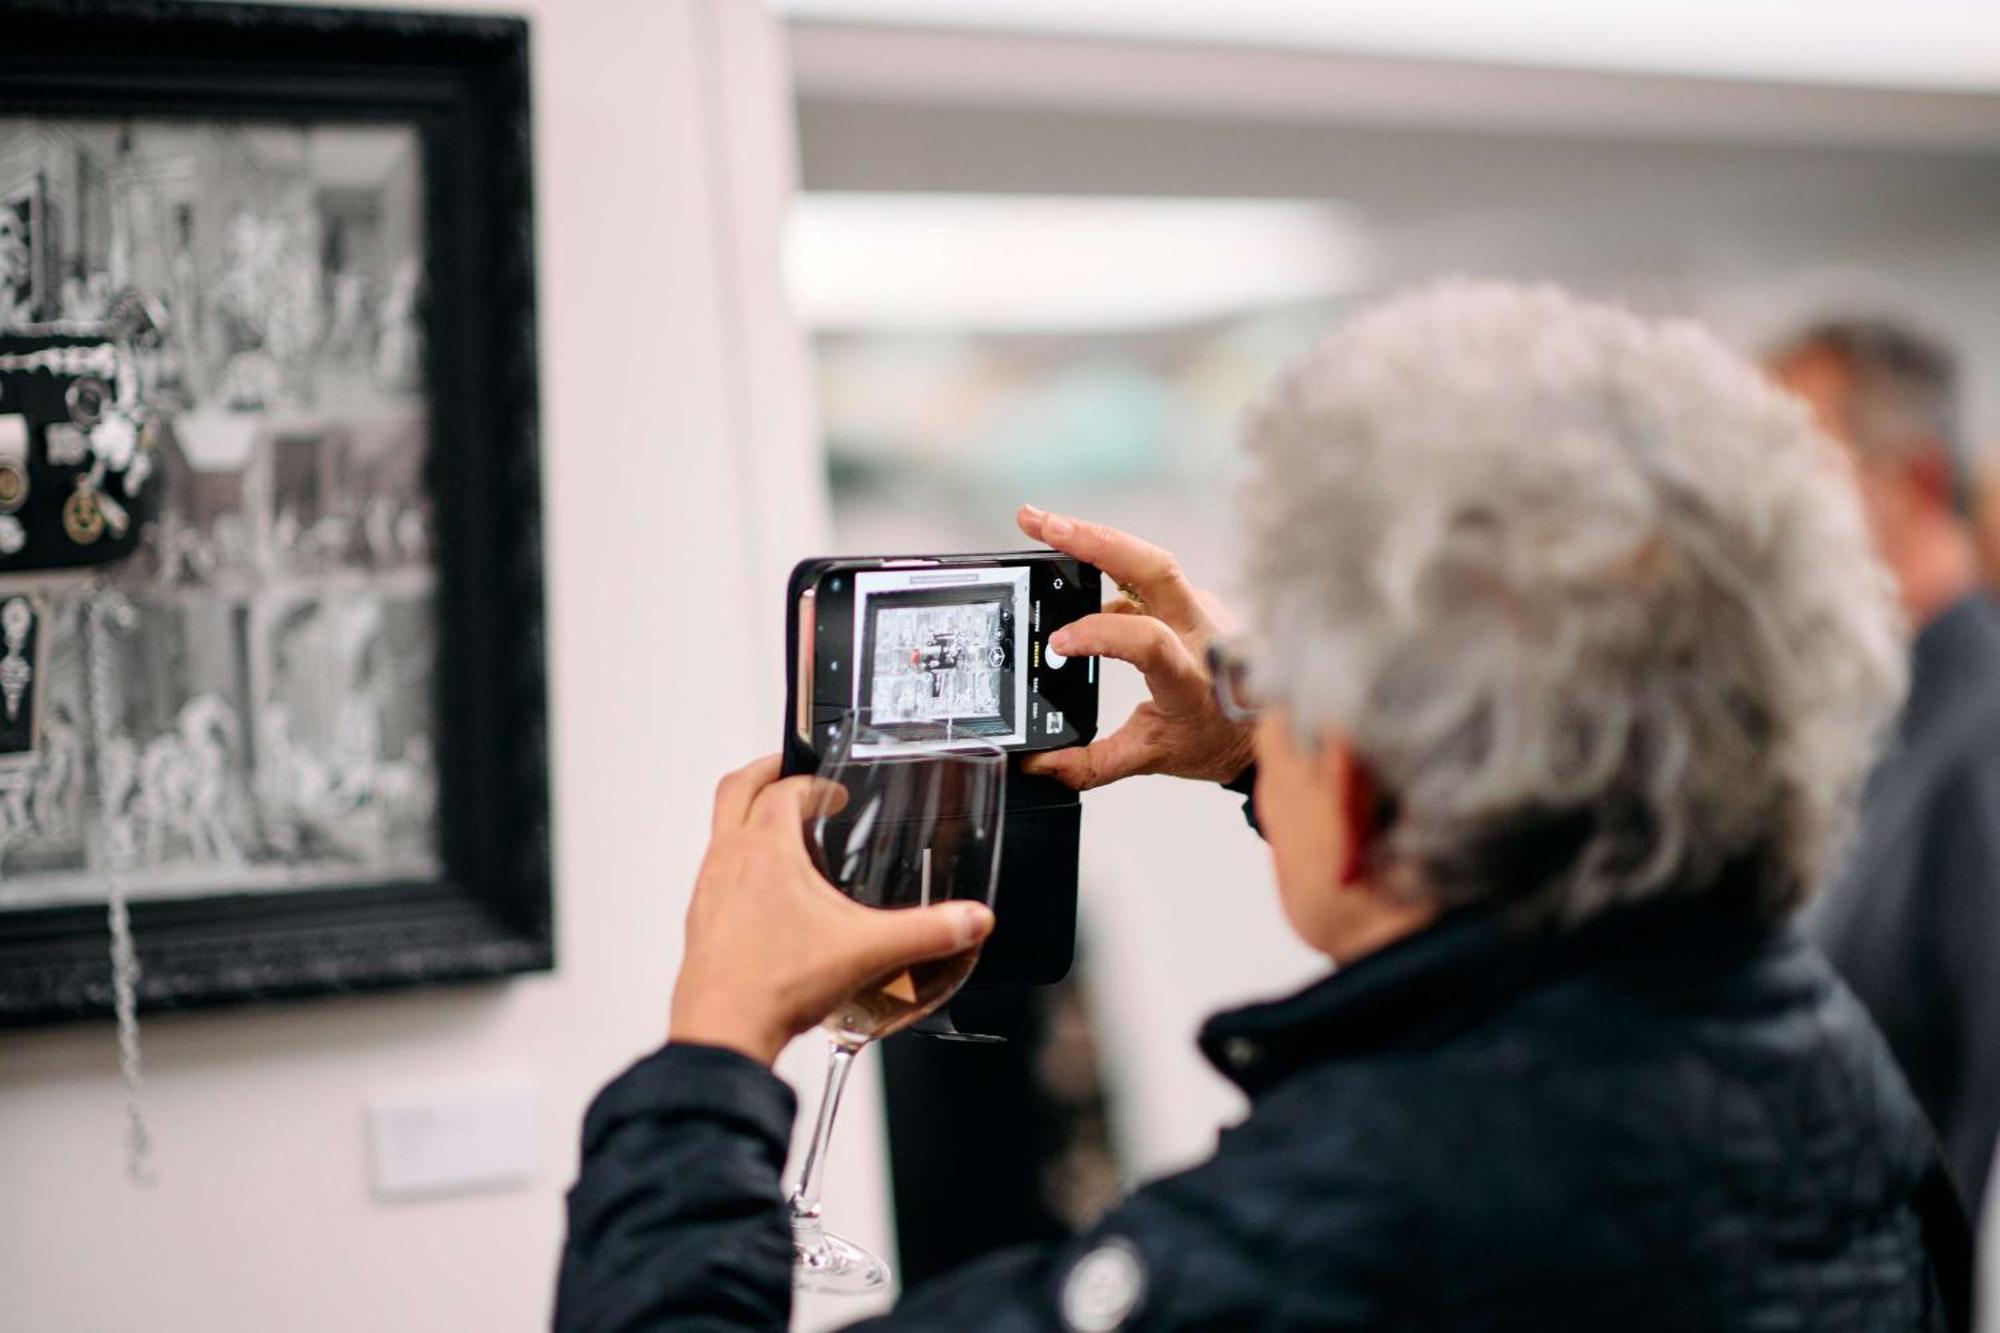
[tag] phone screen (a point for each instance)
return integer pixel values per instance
(917, 642)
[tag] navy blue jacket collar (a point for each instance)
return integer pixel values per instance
(1461, 970)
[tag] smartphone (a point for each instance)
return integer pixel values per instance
(916, 640)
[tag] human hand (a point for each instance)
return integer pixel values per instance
(772, 947)
(1161, 625)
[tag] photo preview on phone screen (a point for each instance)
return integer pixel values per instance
(942, 645)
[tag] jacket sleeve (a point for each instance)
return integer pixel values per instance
(676, 1220)
(1244, 784)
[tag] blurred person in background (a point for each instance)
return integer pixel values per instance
(1568, 658)
(1913, 919)
(1986, 516)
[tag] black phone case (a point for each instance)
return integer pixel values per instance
(1034, 934)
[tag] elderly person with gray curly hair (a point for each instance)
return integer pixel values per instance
(1569, 654)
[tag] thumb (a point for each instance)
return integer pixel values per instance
(890, 940)
(1072, 767)
(1105, 760)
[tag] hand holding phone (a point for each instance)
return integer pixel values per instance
(1162, 625)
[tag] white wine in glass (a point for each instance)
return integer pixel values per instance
(898, 1000)
(908, 816)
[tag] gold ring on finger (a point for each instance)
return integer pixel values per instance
(1138, 602)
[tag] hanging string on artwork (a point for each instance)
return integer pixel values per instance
(110, 606)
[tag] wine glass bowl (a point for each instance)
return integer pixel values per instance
(903, 819)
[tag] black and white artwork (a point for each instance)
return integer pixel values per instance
(933, 662)
(245, 701)
(25, 276)
(272, 691)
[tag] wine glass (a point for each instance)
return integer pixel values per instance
(910, 815)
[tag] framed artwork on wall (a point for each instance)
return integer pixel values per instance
(271, 658)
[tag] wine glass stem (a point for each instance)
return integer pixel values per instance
(806, 1232)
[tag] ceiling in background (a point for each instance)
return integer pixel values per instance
(1935, 44)
(1698, 170)
(1036, 264)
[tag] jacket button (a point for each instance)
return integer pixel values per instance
(1240, 1052)
(1104, 1288)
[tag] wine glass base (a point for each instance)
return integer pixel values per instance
(838, 1266)
(938, 1023)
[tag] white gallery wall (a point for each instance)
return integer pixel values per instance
(681, 478)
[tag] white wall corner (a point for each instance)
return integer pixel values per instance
(751, 155)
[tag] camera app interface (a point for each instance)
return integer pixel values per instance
(942, 645)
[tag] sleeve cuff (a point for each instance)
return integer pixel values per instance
(1244, 784)
(682, 1080)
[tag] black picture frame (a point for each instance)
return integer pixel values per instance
(463, 82)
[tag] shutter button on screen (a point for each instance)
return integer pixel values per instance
(1051, 657)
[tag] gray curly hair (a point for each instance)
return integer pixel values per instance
(1588, 596)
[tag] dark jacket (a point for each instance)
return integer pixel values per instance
(1914, 924)
(1670, 1119)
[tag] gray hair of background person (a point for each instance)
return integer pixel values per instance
(1590, 598)
(1905, 390)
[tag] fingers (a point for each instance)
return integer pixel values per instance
(891, 940)
(1029, 520)
(794, 800)
(735, 793)
(1173, 676)
(1073, 767)
(1141, 566)
(1081, 768)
